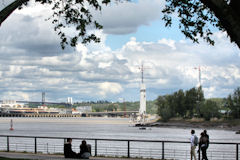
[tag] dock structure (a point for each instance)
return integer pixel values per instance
(87, 114)
(37, 115)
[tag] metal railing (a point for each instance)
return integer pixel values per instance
(119, 147)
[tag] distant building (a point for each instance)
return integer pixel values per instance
(65, 110)
(74, 111)
(84, 109)
(43, 107)
(11, 104)
(8, 101)
(69, 100)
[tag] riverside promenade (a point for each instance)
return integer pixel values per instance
(32, 147)
(31, 156)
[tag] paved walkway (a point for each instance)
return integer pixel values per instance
(38, 156)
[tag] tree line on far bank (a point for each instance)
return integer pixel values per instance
(191, 103)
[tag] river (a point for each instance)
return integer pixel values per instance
(116, 128)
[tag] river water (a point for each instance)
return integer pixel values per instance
(114, 128)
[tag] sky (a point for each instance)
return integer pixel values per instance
(32, 61)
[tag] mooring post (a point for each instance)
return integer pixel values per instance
(236, 151)
(7, 143)
(128, 149)
(162, 149)
(35, 144)
(95, 147)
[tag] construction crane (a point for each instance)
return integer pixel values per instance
(142, 68)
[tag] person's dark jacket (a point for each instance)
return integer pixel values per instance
(207, 136)
(68, 152)
(203, 143)
(84, 148)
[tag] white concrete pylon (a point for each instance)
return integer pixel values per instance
(142, 109)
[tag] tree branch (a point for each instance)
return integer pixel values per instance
(10, 8)
(227, 16)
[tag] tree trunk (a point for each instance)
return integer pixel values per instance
(10, 8)
(227, 16)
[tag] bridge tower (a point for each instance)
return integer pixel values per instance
(142, 108)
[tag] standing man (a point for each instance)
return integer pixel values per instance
(207, 138)
(194, 142)
(203, 146)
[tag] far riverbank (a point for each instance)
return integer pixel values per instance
(233, 125)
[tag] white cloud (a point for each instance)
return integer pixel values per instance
(109, 88)
(171, 67)
(173, 64)
(169, 42)
(133, 46)
(104, 65)
(17, 95)
(126, 17)
(82, 49)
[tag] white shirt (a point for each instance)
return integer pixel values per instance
(192, 139)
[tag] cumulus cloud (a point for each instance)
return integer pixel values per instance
(107, 87)
(31, 61)
(21, 95)
(172, 64)
(133, 46)
(126, 17)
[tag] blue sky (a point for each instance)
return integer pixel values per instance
(31, 60)
(150, 33)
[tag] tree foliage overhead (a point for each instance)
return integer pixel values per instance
(68, 13)
(194, 18)
(197, 16)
